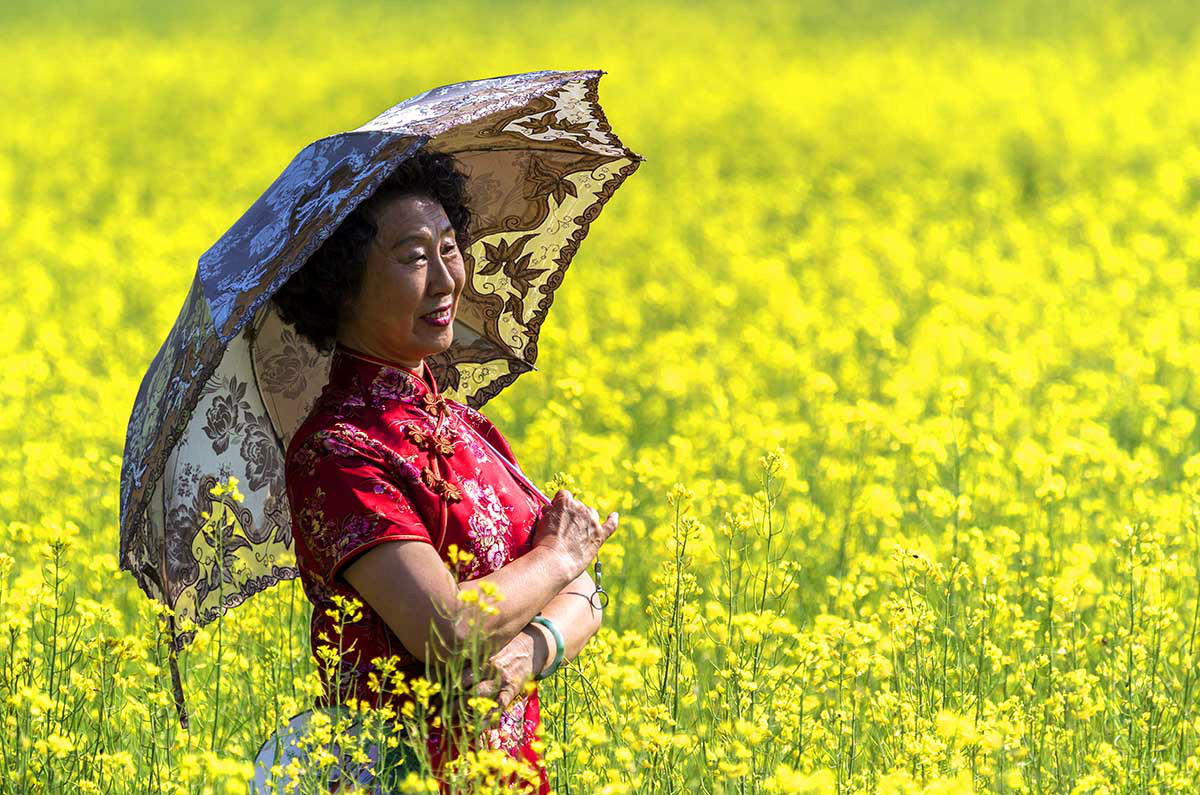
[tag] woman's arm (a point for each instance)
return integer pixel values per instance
(412, 590)
(572, 612)
(530, 652)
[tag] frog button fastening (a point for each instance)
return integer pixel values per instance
(435, 404)
(440, 485)
(441, 442)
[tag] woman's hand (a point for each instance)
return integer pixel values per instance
(509, 669)
(573, 530)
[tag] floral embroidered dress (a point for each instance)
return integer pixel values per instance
(384, 456)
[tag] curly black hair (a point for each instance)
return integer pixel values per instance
(314, 297)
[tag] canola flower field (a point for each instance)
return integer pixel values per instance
(887, 355)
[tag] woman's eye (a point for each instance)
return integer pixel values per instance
(447, 250)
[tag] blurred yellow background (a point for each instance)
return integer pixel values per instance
(922, 279)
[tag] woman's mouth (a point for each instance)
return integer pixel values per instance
(440, 317)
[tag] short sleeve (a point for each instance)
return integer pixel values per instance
(344, 502)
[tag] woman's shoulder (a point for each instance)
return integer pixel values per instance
(355, 436)
(327, 450)
(334, 405)
(321, 436)
(341, 415)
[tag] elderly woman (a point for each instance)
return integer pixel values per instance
(386, 473)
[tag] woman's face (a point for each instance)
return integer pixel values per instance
(405, 309)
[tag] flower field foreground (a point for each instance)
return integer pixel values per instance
(887, 357)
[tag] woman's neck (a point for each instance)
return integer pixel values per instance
(365, 349)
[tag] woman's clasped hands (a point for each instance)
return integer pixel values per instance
(574, 531)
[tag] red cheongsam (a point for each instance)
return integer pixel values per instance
(382, 456)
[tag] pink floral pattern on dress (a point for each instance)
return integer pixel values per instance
(389, 386)
(489, 529)
(510, 733)
(477, 448)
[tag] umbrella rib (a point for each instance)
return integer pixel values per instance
(516, 148)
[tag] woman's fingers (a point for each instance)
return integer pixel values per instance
(503, 699)
(486, 687)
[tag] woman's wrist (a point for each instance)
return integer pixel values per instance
(559, 569)
(558, 642)
(543, 647)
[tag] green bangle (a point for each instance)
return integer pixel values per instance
(558, 643)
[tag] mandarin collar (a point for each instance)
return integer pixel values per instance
(372, 370)
(382, 384)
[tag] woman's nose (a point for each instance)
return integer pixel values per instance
(440, 277)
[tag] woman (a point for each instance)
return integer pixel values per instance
(385, 473)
